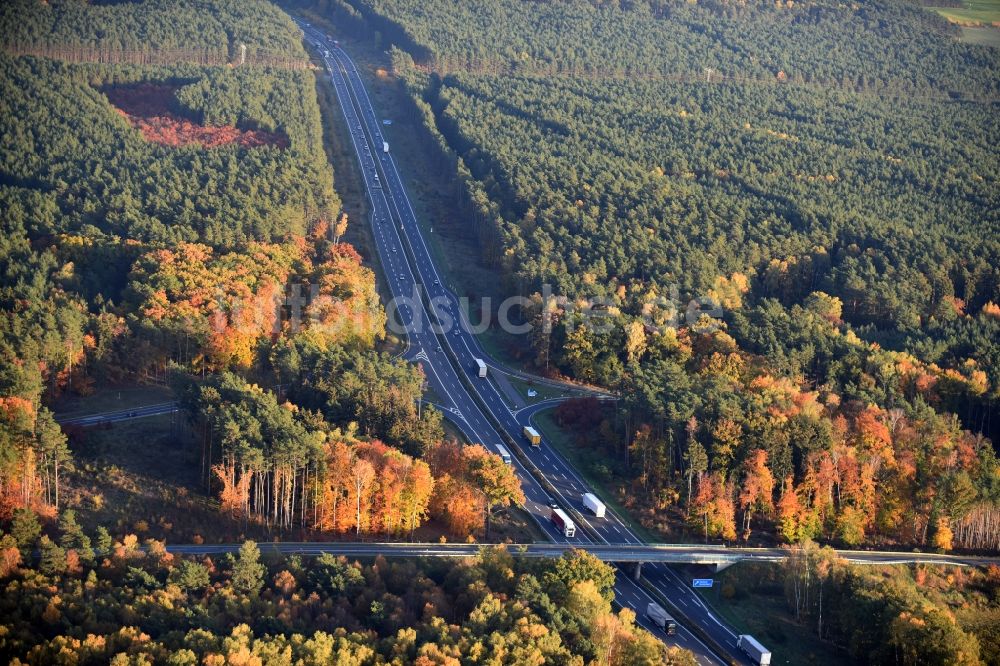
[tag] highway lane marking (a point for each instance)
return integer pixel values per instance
(352, 117)
(354, 85)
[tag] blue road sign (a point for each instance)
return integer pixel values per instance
(702, 582)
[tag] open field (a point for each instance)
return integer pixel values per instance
(149, 108)
(142, 476)
(979, 21)
(972, 11)
(984, 36)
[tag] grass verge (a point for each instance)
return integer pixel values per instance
(543, 391)
(972, 11)
(751, 598)
(984, 36)
(563, 443)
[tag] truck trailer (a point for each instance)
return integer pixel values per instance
(481, 365)
(661, 618)
(758, 653)
(595, 505)
(532, 436)
(563, 522)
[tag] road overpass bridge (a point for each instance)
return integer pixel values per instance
(718, 556)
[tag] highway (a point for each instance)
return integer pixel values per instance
(449, 349)
(119, 415)
(673, 553)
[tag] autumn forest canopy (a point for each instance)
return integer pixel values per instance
(825, 175)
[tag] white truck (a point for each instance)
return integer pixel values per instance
(661, 618)
(481, 365)
(504, 453)
(385, 146)
(595, 505)
(758, 653)
(563, 522)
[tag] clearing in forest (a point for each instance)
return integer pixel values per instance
(972, 12)
(150, 108)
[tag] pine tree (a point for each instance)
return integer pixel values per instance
(25, 530)
(53, 557)
(248, 572)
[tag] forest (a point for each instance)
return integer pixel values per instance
(745, 154)
(283, 465)
(85, 210)
(99, 600)
(215, 28)
(885, 615)
(838, 219)
(218, 267)
(883, 44)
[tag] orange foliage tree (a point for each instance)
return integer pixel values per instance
(211, 310)
(471, 482)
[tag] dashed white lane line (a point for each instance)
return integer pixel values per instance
(615, 526)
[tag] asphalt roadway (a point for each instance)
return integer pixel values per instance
(440, 339)
(450, 348)
(672, 553)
